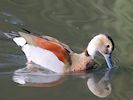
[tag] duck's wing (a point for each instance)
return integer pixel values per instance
(60, 49)
(65, 46)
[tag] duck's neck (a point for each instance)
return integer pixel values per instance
(93, 47)
(92, 51)
(79, 62)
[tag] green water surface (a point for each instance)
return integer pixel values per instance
(73, 22)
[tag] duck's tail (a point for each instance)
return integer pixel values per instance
(12, 35)
(16, 37)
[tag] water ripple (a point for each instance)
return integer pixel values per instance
(24, 3)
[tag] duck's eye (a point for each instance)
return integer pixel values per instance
(107, 88)
(107, 46)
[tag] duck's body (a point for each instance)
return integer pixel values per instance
(56, 56)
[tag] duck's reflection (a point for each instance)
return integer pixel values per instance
(33, 75)
(99, 87)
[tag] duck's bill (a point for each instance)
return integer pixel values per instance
(108, 60)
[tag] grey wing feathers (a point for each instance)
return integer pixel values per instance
(12, 35)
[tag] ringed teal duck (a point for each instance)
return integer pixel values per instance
(57, 56)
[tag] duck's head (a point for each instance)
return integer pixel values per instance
(103, 44)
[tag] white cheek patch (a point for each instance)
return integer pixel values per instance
(44, 58)
(20, 41)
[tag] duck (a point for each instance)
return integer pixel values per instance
(58, 57)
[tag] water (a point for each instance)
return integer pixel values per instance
(73, 22)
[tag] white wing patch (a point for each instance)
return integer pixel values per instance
(44, 58)
(20, 41)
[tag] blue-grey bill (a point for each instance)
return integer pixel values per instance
(108, 60)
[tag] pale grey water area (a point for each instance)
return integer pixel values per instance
(73, 22)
